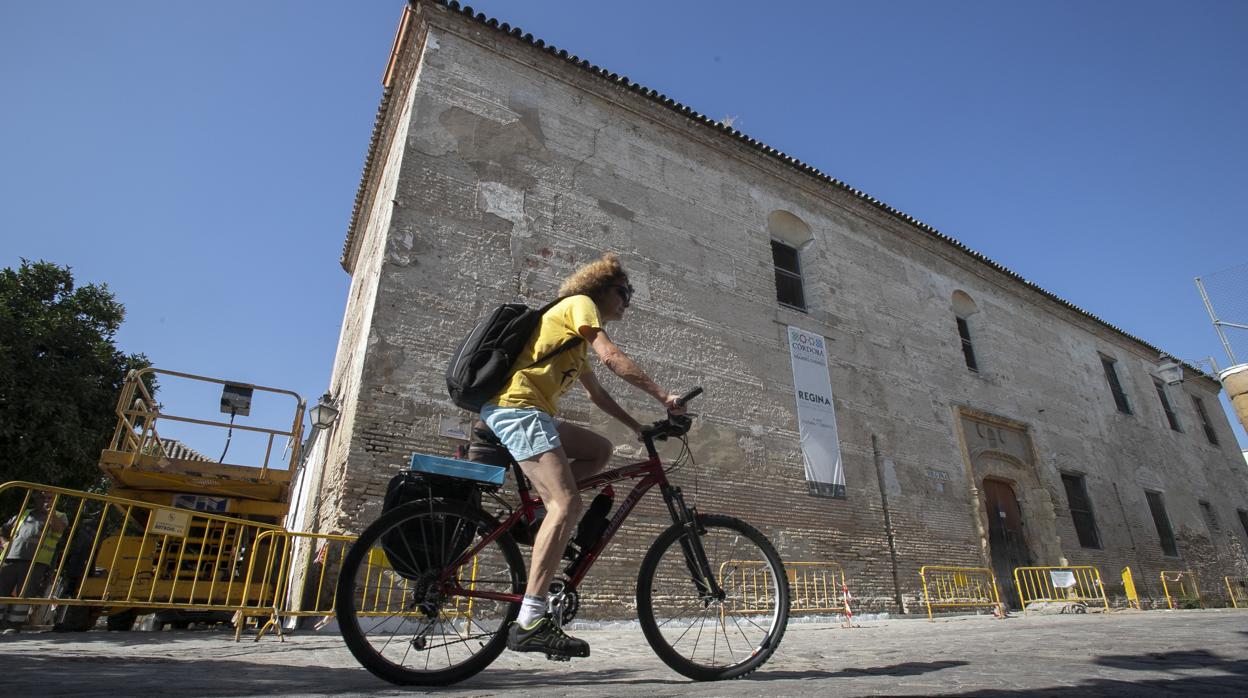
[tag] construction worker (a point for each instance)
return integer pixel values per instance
(30, 540)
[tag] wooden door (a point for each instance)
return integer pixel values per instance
(1006, 541)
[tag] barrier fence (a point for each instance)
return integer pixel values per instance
(1237, 589)
(1128, 584)
(958, 587)
(1180, 584)
(1077, 584)
(818, 587)
(751, 581)
(814, 587)
(303, 568)
(115, 553)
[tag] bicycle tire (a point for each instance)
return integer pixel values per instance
(674, 575)
(501, 557)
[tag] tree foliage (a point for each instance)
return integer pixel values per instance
(60, 374)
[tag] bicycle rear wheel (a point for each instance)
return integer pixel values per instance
(703, 636)
(399, 622)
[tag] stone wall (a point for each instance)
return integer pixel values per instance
(507, 167)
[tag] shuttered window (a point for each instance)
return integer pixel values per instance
(788, 275)
(1115, 386)
(1166, 406)
(1204, 420)
(1081, 510)
(1162, 522)
(968, 349)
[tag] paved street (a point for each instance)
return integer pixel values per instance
(1120, 654)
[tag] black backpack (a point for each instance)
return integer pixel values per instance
(485, 359)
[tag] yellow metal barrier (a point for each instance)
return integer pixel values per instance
(303, 569)
(124, 554)
(814, 587)
(752, 582)
(1184, 586)
(1128, 583)
(1237, 597)
(817, 587)
(960, 587)
(1060, 584)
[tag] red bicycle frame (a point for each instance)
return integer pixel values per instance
(651, 473)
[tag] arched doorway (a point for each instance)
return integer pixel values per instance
(1006, 542)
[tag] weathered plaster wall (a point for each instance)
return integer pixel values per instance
(517, 167)
(339, 487)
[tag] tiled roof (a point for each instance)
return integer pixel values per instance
(179, 451)
(370, 162)
(727, 131)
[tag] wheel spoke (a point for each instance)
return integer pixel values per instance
(751, 580)
(387, 590)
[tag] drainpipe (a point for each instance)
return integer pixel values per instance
(888, 521)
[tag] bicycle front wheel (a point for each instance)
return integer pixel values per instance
(703, 635)
(400, 622)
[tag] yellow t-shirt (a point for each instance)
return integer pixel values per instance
(541, 387)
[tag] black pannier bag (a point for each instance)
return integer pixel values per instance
(428, 543)
(480, 366)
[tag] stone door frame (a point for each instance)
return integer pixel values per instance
(1023, 475)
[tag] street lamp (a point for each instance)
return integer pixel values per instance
(1170, 371)
(324, 413)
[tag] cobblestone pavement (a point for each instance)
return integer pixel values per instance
(1119, 654)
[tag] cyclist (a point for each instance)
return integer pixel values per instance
(553, 454)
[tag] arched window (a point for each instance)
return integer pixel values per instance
(788, 236)
(963, 308)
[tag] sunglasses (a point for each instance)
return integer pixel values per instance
(626, 292)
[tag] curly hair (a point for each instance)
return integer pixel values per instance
(594, 278)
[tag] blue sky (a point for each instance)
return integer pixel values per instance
(203, 158)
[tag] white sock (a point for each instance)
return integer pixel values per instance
(532, 608)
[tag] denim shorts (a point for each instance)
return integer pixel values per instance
(525, 431)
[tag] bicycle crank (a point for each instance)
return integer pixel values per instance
(563, 603)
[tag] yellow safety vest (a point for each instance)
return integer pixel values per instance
(51, 539)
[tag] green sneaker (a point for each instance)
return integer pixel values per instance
(545, 636)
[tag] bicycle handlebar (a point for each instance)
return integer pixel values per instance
(680, 401)
(675, 424)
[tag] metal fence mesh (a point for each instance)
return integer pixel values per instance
(1226, 292)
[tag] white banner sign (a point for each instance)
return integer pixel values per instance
(1062, 579)
(816, 421)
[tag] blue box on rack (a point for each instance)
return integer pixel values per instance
(451, 467)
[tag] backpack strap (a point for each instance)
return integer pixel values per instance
(557, 350)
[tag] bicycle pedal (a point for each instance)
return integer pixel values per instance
(558, 657)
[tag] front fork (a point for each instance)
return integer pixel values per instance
(691, 544)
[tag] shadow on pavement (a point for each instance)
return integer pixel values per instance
(26, 674)
(127, 639)
(42, 674)
(904, 669)
(1171, 661)
(534, 678)
(537, 678)
(1233, 680)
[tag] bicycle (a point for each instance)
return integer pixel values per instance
(427, 592)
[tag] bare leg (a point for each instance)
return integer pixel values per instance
(588, 452)
(554, 475)
(551, 475)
